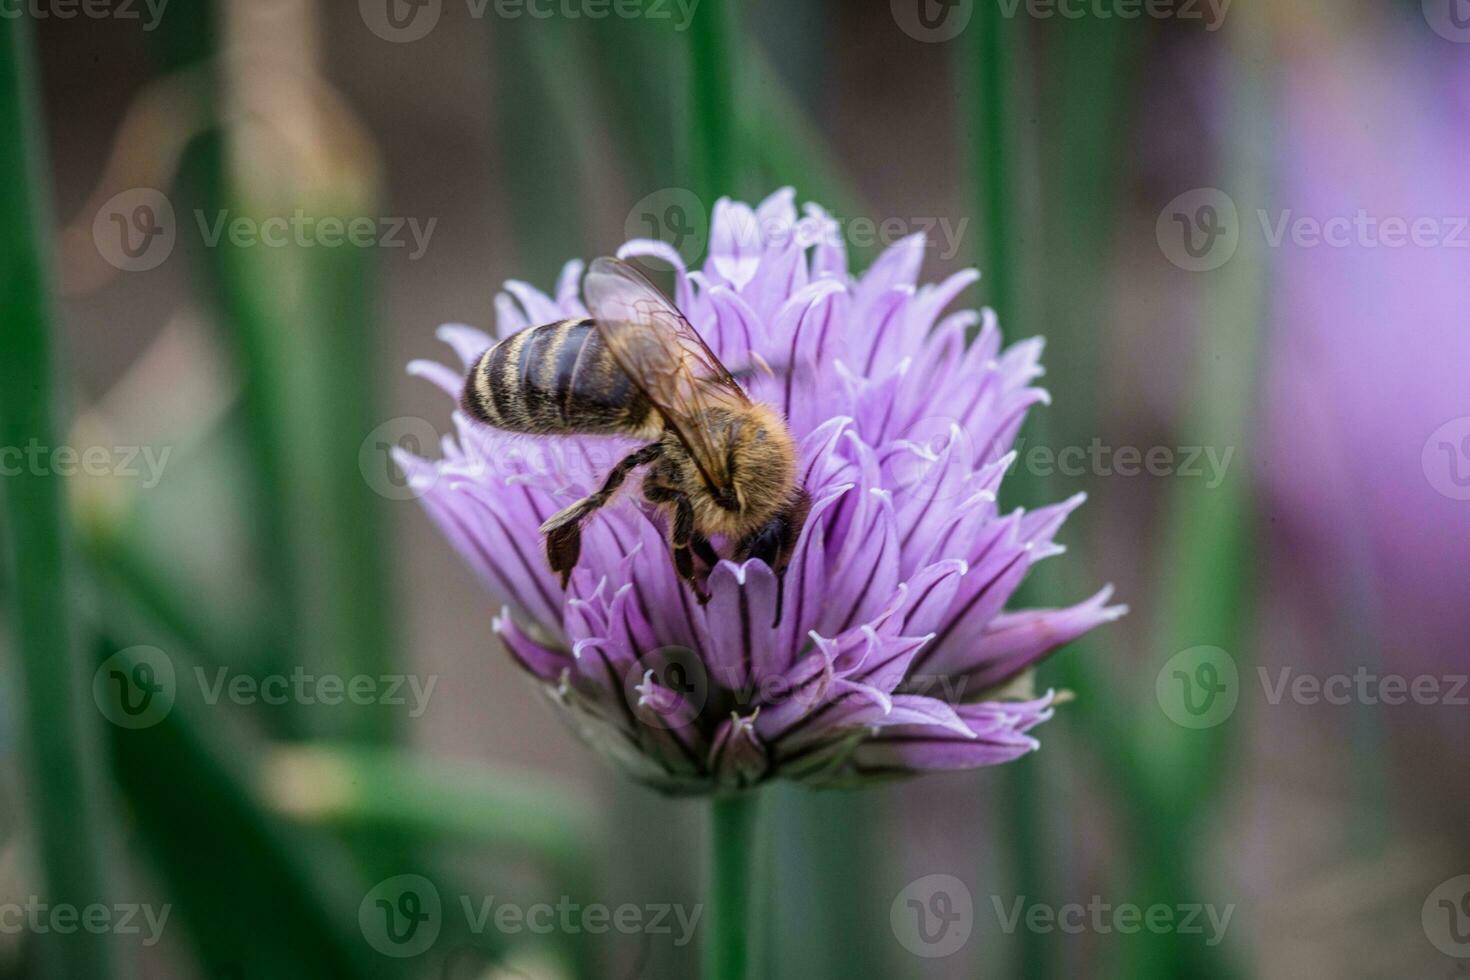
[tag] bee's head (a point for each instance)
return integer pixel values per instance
(753, 474)
(759, 465)
(728, 497)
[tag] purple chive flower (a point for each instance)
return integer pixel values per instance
(892, 654)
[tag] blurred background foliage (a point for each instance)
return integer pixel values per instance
(276, 539)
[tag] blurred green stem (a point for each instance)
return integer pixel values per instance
(728, 906)
(715, 105)
(61, 732)
(543, 135)
(302, 324)
(254, 896)
(344, 785)
(998, 44)
(1207, 562)
(188, 39)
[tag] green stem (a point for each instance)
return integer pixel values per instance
(789, 148)
(60, 730)
(714, 102)
(995, 154)
(344, 785)
(1023, 815)
(189, 40)
(727, 949)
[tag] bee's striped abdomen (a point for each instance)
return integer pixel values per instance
(555, 378)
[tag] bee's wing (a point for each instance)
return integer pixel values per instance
(661, 352)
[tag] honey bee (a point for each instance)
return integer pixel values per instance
(717, 463)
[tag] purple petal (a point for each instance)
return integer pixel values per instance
(538, 306)
(736, 330)
(743, 604)
(738, 758)
(446, 379)
(1012, 642)
(542, 662)
(468, 342)
(904, 748)
(735, 243)
(653, 248)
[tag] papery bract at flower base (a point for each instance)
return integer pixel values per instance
(892, 643)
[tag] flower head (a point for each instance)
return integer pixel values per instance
(891, 653)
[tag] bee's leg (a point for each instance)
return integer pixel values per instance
(563, 529)
(705, 551)
(681, 533)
